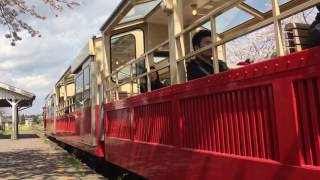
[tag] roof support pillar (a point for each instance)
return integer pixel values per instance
(214, 47)
(105, 64)
(277, 27)
(176, 45)
(15, 120)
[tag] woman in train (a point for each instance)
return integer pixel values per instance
(155, 82)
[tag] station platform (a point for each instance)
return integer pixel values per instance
(35, 157)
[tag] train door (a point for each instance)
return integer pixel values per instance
(125, 47)
(85, 117)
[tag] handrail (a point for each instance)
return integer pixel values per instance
(209, 17)
(144, 57)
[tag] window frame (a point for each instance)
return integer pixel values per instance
(121, 34)
(123, 21)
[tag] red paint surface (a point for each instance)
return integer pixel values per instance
(66, 124)
(257, 122)
(75, 129)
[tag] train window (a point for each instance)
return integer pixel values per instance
(79, 88)
(122, 51)
(86, 78)
(231, 19)
(52, 107)
(125, 47)
(86, 84)
(140, 11)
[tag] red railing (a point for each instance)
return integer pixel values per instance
(66, 124)
(119, 124)
(153, 123)
(268, 111)
(308, 102)
(237, 122)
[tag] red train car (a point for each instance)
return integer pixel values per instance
(259, 121)
(73, 103)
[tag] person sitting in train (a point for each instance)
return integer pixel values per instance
(314, 32)
(66, 110)
(155, 82)
(202, 64)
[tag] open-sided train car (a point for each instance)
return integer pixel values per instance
(260, 121)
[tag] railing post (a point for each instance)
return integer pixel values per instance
(117, 86)
(65, 88)
(131, 80)
(105, 69)
(286, 121)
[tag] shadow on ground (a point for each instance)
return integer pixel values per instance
(21, 136)
(34, 164)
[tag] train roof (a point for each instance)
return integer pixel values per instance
(231, 15)
(113, 14)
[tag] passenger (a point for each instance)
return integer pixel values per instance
(66, 110)
(314, 32)
(202, 65)
(155, 82)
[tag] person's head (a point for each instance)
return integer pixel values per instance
(66, 110)
(201, 39)
(155, 75)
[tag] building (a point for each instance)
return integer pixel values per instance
(17, 99)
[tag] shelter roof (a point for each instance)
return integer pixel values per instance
(10, 92)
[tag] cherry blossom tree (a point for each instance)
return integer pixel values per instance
(12, 13)
(260, 44)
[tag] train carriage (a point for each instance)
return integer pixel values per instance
(259, 121)
(75, 94)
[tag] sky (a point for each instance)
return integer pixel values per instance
(35, 64)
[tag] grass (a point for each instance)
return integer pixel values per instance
(8, 130)
(24, 128)
(75, 163)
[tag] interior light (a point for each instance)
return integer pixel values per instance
(194, 12)
(194, 9)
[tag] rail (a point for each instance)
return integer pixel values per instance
(132, 79)
(264, 113)
(147, 58)
(68, 105)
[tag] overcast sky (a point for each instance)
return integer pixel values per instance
(35, 64)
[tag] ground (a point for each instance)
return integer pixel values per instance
(35, 157)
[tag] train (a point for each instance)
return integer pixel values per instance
(258, 121)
